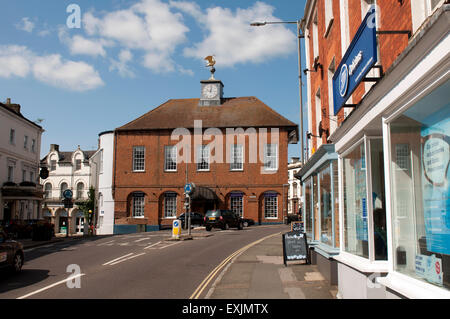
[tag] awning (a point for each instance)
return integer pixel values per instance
(203, 193)
(324, 154)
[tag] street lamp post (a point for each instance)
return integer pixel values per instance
(299, 37)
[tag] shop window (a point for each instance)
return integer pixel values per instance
(308, 208)
(336, 202)
(326, 217)
(355, 202)
(315, 212)
(170, 205)
(421, 189)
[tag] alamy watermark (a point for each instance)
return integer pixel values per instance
(74, 19)
(74, 280)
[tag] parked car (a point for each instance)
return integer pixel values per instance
(11, 253)
(248, 222)
(223, 219)
(196, 219)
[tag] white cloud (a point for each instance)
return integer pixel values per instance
(19, 61)
(232, 40)
(149, 26)
(81, 45)
(121, 65)
(25, 25)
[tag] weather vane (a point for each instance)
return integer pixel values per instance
(211, 63)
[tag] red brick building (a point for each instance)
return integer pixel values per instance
(231, 160)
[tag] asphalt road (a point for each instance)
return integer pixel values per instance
(135, 266)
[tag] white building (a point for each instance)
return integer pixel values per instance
(20, 146)
(102, 168)
(295, 189)
(67, 170)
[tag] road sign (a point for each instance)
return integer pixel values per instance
(68, 194)
(189, 188)
(176, 229)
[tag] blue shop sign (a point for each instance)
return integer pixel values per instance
(360, 57)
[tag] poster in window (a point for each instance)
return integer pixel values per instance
(435, 182)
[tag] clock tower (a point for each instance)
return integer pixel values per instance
(212, 89)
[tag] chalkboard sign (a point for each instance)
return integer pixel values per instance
(295, 247)
(297, 226)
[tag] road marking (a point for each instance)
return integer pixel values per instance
(142, 239)
(122, 260)
(116, 259)
(51, 286)
(168, 245)
(197, 293)
(106, 243)
(152, 245)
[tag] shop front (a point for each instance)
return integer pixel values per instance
(393, 156)
(319, 178)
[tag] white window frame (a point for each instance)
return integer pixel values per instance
(12, 137)
(138, 207)
(170, 207)
(237, 157)
(80, 192)
(77, 168)
(270, 158)
(170, 157)
(203, 156)
(329, 18)
(139, 159)
(273, 207)
(48, 192)
(238, 207)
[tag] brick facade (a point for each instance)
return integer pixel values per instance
(155, 182)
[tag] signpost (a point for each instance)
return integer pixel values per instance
(295, 247)
(68, 194)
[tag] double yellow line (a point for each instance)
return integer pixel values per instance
(197, 293)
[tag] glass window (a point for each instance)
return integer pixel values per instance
(80, 189)
(10, 173)
(138, 205)
(63, 188)
(170, 163)
(326, 218)
(271, 157)
(12, 136)
(237, 204)
(48, 190)
(138, 158)
(52, 165)
(308, 208)
(237, 157)
(355, 202)
(336, 202)
(77, 164)
(270, 205)
(421, 189)
(25, 142)
(170, 205)
(203, 158)
(33, 145)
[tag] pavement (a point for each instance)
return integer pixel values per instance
(259, 273)
(256, 273)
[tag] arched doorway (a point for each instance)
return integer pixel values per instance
(62, 221)
(79, 222)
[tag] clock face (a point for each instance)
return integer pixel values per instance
(210, 91)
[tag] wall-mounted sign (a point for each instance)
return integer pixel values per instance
(360, 57)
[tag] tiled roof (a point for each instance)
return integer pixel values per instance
(234, 112)
(66, 157)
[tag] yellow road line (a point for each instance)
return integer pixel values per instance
(197, 293)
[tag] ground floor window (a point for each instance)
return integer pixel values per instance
(237, 203)
(326, 209)
(271, 206)
(138, 205)
(420, 179)
(170, 205)
(308, 216)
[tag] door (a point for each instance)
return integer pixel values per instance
(79, 225)
(63, 225)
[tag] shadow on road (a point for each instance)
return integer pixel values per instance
(10, 281)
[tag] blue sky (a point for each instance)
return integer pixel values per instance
(129, 57)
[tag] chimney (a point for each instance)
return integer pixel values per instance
(54, 147)
(13, 107)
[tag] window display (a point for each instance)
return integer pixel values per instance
(420, 153)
